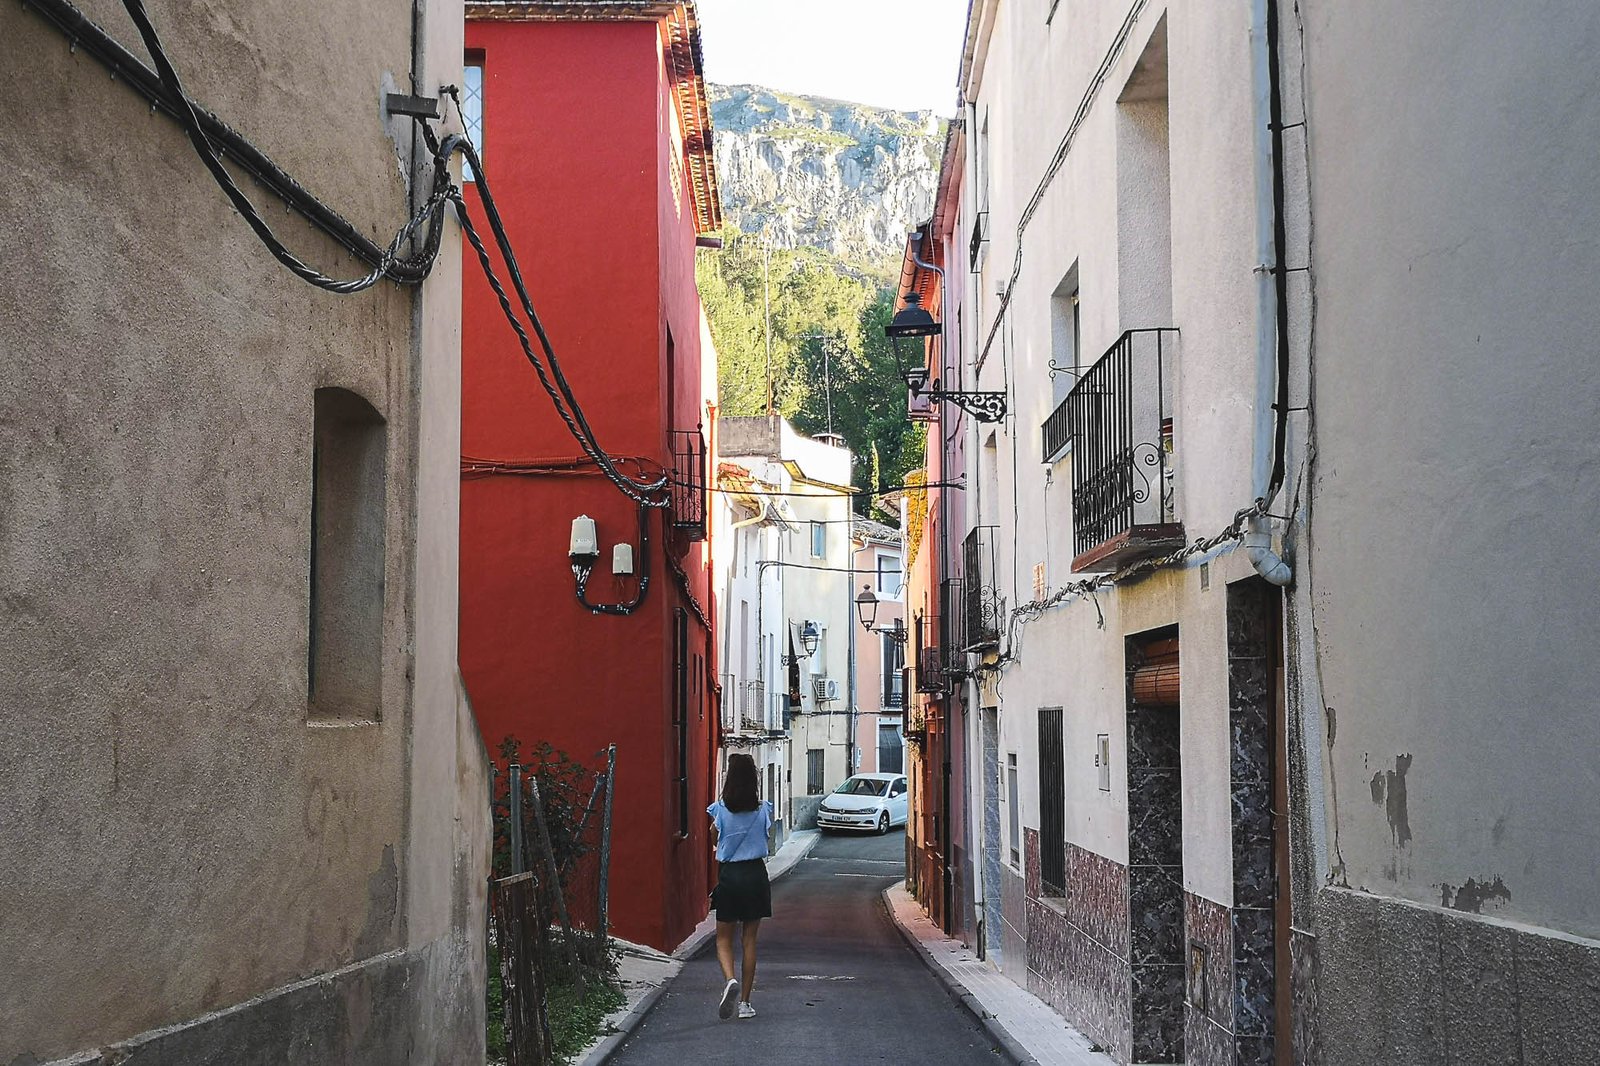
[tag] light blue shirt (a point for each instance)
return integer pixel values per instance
(741, 836)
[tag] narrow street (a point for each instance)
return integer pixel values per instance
(835, 982)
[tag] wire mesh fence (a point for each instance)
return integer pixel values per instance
(549, 891)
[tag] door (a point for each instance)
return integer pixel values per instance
(897, 801)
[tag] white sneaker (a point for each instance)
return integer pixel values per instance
(746, 1010)
(725, 1008)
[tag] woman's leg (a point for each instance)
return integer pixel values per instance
(725, 948)
(747, 980)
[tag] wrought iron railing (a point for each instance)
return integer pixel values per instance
(1118, 421)
(980, 571)
(894, 688)
(928, 662)
(689, 483)
(980, 237)
(730, 701)
(953, 630)
(753, 706)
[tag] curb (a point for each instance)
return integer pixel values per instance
(691, 946)
(958, 991)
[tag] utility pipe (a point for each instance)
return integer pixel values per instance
(1271, 306)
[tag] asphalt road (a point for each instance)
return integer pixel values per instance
(835, 983)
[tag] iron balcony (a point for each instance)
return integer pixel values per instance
(1117, 421)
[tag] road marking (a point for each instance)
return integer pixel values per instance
(875, 877)
(818, 977)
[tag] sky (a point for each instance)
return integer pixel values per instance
(901, 54)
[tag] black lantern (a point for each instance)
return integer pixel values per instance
(867, 612)
(914, 321)
(809, 638)
(867, 607)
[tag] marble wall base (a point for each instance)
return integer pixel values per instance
(1077, 945)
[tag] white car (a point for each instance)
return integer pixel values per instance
(865, 801)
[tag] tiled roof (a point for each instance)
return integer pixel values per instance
(685, 67)
(865, 529)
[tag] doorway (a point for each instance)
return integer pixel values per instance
(1155, 848)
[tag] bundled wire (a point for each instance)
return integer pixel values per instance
(1089, 586)
(647, 490)
(415, 268)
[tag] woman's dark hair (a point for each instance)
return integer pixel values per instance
(740, 788)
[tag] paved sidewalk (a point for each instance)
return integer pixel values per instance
(1029, 1029)
(644, 971)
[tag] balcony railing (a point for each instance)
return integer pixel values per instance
(753, 706)
(984, 606)
(689, 483)
(1118, 421)
(980, 237)
(894, 689)
(928, 661)
(730, 702)
(953, 631)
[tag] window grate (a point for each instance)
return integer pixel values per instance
(1052, 804)
(689, 482)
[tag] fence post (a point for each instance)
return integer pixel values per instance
(605, 843)
(550, 866)
(514, 796)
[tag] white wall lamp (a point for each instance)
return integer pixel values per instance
(583, 551)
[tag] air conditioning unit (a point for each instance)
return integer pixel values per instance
(824, 689)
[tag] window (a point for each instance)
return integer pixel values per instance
(889, 575)
(1066, 337)
(814, 772)
(891, 754)
(819, 659)
(819, 540)
(983, 163)
(472, 109)
(680, 714)
(1052, 805)
(1013, 813)
(894, 676)
(344, 646)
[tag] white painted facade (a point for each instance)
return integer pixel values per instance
(1433, 736)
(784, 569)
(880, 657)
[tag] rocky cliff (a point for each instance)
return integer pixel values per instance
(844, 177)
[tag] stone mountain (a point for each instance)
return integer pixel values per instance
(844, 177)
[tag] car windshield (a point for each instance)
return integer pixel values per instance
(862, 786)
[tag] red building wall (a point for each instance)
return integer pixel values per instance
(580, 146)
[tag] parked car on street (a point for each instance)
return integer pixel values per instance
(865, 801)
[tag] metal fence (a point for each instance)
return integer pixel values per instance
(549, 893)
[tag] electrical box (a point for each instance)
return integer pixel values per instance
(622, 559)
(1102, 760)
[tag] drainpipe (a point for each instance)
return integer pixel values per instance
(1272, 338)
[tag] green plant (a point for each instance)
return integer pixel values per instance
(577, 1008)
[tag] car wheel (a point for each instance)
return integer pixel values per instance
(883, 823)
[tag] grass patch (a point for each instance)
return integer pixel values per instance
(811, 135)
(577, 1007)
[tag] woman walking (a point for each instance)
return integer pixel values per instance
(743, 895)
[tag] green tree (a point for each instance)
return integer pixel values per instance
(827, 320)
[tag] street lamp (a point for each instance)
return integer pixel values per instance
(810, 636)
(867, 612)
(914, 322)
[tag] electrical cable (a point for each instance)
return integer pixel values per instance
(432, 209)
(571, 413)
(411, 270)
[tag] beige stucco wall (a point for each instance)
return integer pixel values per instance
(173, 819)
(1456, 489)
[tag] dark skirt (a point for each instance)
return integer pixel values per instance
(743, 892)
